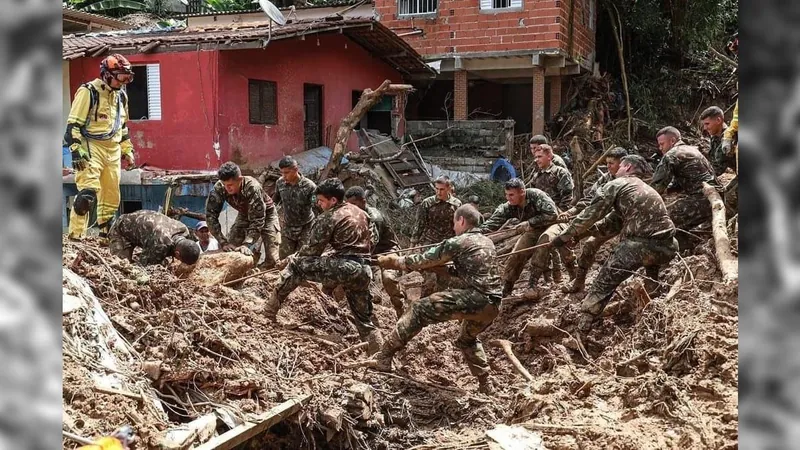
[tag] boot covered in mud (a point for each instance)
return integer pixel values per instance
(547, 276)
(374, 342)
(572, 269)
(591, 310)
(558, 276)
(534, 292)
(485, 385)
(390, 346)
(272, 306)
(508, 288)
(578, 282)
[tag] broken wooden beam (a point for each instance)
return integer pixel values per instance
(247, 431)
(728, 264)
(101, 50)
(149, 47)
(506, 346)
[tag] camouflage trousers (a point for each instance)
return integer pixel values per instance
(687, 212)
(731, 196)
(352, 275)
(390, 279)
(628, 256)
(540, 257)
(270, 237)
(602, 232)
(292, 239)
(119, 246)
(430, 277)
(475, 311)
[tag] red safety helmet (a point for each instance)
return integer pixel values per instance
(116, 67)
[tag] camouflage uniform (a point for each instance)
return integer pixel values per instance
(592, 245)
(559, 161)
(298, 201)
(256, 219)
(154, 232)
(475, 300)
(629, 205)
(719, 160)
(346, 229)
(556, 182)
(434, 224)
(540, 211)
(687, 169)
(387, 242)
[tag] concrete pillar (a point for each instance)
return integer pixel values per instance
(538, 100)
(460, 94)
(555, 95)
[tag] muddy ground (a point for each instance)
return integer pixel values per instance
(658, 373)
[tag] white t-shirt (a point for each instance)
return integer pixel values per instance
(212, 244)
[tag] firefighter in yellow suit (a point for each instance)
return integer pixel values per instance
(120, 440)
(97, 135)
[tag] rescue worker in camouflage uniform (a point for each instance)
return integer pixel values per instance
(534, 211)
(386, 241)
(647, 235)
(713, 121)
(256, 222)
(346, 228)
(592, 245)
(97, 135)
(683, 169)
(538, 140)
(296, 195)
(434, 224)
(474, 298)
(556, 182)
(156, 234)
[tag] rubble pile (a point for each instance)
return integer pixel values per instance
(660, 372)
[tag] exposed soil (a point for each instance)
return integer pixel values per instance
(658, 373)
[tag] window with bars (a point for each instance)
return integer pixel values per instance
(263, 97)
(500, 4)
(416, 7)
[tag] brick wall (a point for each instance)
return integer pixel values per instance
(538, 100)
(460, 95)
(460, 26)
(468, 145)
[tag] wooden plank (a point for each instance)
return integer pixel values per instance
(247, 431)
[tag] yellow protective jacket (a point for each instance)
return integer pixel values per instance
(105, 443)
(99, 116)
(732, 133)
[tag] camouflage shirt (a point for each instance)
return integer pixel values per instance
(249, 202)
(345, 227)
(558, 161)
(687, 167)
(154, 232)
(386, 239)
(590, 193)
(435, 219)
(556, 182)
(539, 210)
(719, 160)
(473, 256)
(298, 201)
(630, 200)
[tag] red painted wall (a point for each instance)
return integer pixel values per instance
(204, 98)
(290, 64)
(461, 27)
(183, 138)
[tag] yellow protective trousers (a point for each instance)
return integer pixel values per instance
(101, 176)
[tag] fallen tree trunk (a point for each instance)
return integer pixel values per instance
(728, 264)
(369, 98)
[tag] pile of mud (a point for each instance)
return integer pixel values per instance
(658, 373)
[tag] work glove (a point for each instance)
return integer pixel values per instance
(727, 144)
(523, 227)
(245, 250)
(391, 262)
(559, 241)
(80, 157)
(130, 159)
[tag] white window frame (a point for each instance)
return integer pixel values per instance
(153, 92)
(592, 14)
(490, 5)
(404, 6)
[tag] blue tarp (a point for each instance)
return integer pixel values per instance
(502, 170)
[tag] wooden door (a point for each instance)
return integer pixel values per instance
(312, 121)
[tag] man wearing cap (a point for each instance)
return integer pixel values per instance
(204, 238)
